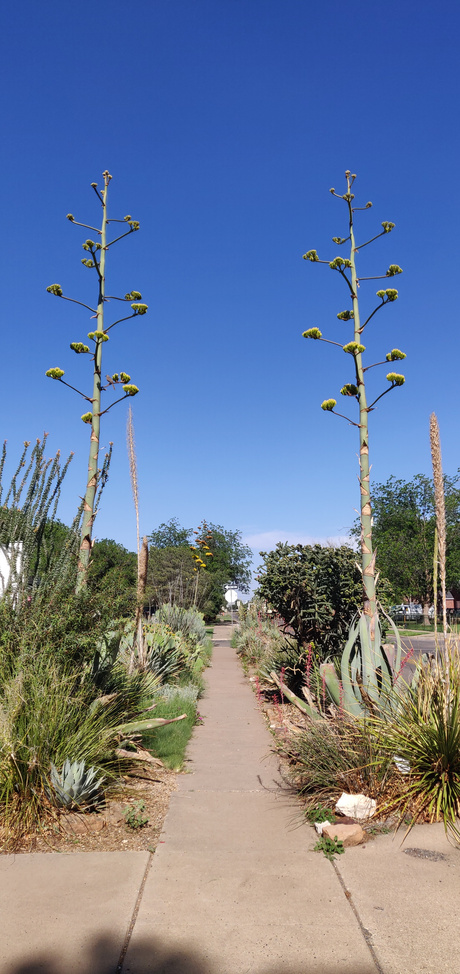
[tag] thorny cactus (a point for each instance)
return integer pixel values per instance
(97, 251)
(369, 659)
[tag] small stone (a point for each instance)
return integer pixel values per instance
(348, 834)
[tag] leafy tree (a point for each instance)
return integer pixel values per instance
(113, 572)
(172, 578)
(404, 535)
(192, 567)
(96, 252)
(171, 535)
(316, 590)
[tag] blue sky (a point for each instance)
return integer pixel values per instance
(224, 124)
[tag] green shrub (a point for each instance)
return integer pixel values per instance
(189, 622)
(50, 714)
(257, 639)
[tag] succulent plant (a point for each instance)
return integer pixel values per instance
(75, 785)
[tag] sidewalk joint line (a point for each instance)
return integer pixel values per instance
(134, 916)
(365, 932)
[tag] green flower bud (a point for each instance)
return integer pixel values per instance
(387, 227)
(380, 294)
(368, 205)
(391, 293)
(127, 218)
(134, 224)
(338, 240)
(87, 263)
(87, 417)
(94, 185)
(55, 289)
(133, 296)
(394, 355)
(79, 347)
(393, 269)
(115, 377)
(140, 309)
(124, 377)
(88, 244)
(70, 217)
(95, 335)
(353, 348)
(55, 373)
(396, 379)
(349, 389)
(311, 255)
(130, 390)
(332, 190)
(312, 333)
(346, 315)
(328, 404)
(338, 263)
(348, 196)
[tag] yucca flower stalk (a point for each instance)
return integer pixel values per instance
(97, 251)
(367, 631)
(440, 540)
(142, 551)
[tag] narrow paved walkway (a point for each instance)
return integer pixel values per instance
(234, 887)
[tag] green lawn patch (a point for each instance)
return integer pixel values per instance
(169, 742)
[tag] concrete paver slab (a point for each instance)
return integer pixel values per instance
(408, 900)
(67, 914)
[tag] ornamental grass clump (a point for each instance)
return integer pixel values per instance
(96, 261)
(331, 756)
(423, 738)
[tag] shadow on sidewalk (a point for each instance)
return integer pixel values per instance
(148, 957)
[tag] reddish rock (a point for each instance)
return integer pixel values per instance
(348, 834)
(78, 824)
(115, 814)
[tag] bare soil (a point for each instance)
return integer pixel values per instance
(106, 830)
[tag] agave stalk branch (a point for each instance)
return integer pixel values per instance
(119, 319)
(74, 301)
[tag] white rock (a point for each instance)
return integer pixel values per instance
(319, 826)
(356, 806)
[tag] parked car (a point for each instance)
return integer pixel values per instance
(407, 612)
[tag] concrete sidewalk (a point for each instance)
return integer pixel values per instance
(234, 887)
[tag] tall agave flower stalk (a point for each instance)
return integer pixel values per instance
(367, 632)
(440, 540)
(96, 260)
(142, 552)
